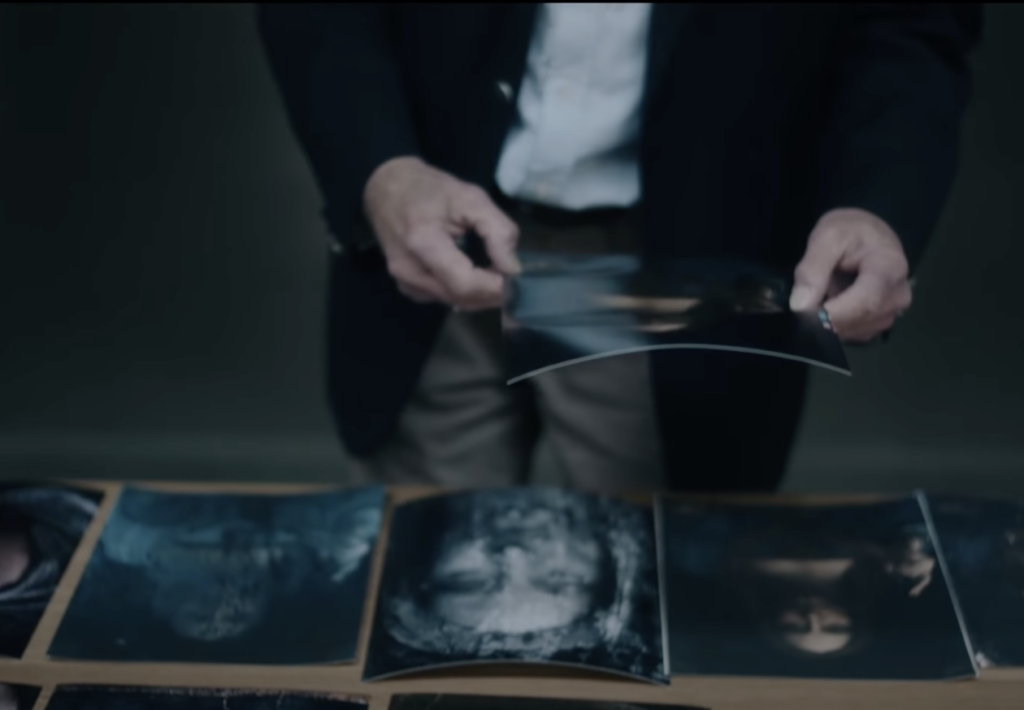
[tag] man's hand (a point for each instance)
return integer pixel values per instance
(855, 267)
(418, 213)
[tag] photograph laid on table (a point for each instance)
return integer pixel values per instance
(850, 591)
(114, 697)
(564, 309)
(40, 529)
(17, 697)
(528, 575)
(263, 579)
(477, 702)
(982, 542)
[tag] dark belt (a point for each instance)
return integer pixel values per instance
(557, 217)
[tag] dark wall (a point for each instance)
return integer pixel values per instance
(162, 284)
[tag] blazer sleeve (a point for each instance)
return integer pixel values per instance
(891, 141)
(337, 73)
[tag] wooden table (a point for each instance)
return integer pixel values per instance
(1002, 689)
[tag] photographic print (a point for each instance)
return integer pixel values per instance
(476, 702)
(564, 309)
(842, 591)
(110, 697)
(265, 579)
(17, 697)
(40, 529)
(982, 541)
(519, 575)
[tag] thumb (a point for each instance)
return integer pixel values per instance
(498, 233)
(814, 273)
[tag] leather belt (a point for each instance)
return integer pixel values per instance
(556, 217)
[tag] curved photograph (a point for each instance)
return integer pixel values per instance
(268, 579)
(519, 576)
(111, 697)
(854, 591)
(17, 697)
(40, 529)
(566, 309)
(983, 544)
(476, 702)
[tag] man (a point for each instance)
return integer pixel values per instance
(817, 138)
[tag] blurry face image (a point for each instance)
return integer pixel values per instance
(529, 573)
(814, 625)
(808, 617)
(15, 556)
(7, 699)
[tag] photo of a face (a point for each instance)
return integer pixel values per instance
(109, 697)
(841, 591)
(226, 579)
(983, 544)
(40, 529)
(519, 575)
(17, 697)
(563, 309)
(475, 702)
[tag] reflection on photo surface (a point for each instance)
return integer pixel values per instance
(226, 578)
(108, 697)
(530, 575)
(40, 528)
(983, 544)
(476, 702)
(841, 591)
(563, 309)
(17, 697)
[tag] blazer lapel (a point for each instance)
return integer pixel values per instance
(666, 21)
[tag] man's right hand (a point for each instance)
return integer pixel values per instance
(418, 212)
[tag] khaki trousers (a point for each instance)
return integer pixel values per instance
(464, 427)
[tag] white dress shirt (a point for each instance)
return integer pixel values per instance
(575, 143)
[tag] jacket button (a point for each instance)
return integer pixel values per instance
(505, 89)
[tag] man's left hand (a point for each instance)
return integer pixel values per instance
(856, 269)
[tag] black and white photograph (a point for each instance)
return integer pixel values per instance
(527, 575)
(476, 702)
(40, 529)
(113, 697)
(569, 308)
(982, 541)
(853, 591)
(17, 697)
(257, 579)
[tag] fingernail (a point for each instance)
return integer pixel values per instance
(514, 264)
(801, 299)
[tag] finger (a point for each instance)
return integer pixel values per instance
(813, 274)
(416, 282)
(475, 210)
(415, 295)
(871, 297)
(465, 285)
(867, 331)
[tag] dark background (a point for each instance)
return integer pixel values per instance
(163, 270)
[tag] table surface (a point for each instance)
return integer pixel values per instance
(999, 688)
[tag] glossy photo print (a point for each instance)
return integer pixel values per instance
(519, 575)
(853, 591)
(40, 529)
(112, 697)
(17, 697)
(564, 309)
(982, 542)
(479, 702)
(226, 579)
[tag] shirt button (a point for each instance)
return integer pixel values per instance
(505, 89)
